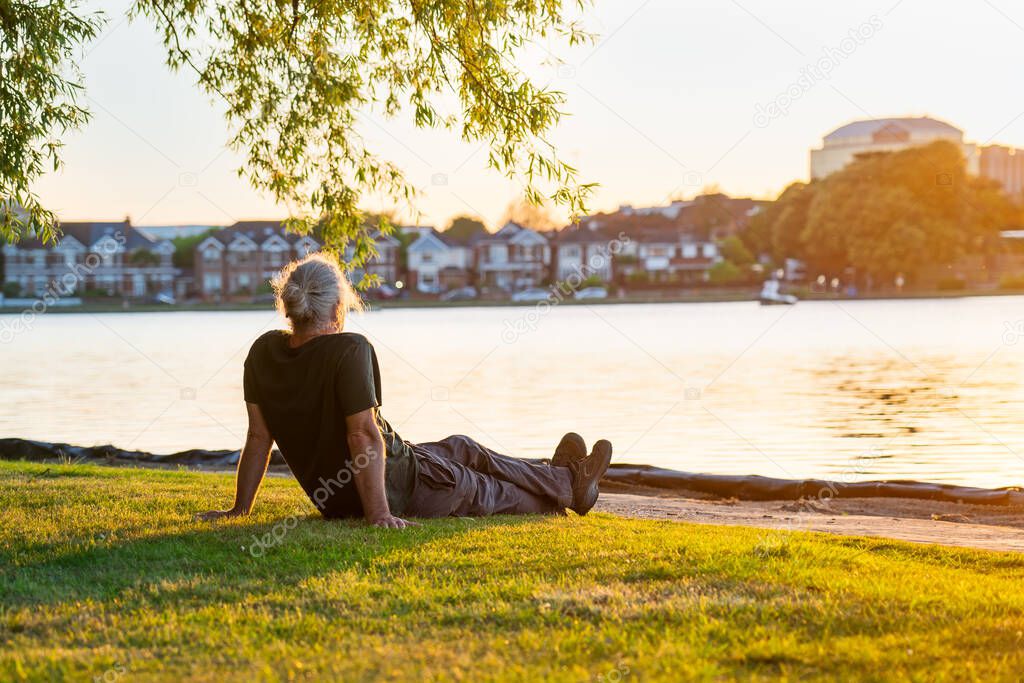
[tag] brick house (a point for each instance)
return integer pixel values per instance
(91, 258)
(241, 259)
(512, 258)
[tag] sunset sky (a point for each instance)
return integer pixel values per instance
(664, 104)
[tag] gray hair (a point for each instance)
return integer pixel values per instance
(313, 292)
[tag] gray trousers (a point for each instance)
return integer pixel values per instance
(460, 478)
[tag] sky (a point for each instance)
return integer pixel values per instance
(675, 97)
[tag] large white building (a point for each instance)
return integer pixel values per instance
(842, 145)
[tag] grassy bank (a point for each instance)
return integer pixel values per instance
(103, 573)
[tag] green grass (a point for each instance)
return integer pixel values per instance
(103, 573)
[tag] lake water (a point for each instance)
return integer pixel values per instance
(852, 390)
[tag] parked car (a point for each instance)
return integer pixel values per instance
(592, 293)
(383, 293)
(460, 294)
(533, 294)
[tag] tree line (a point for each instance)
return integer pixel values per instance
(886, 215)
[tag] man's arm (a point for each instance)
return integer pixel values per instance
(366, 447)
(252, 466)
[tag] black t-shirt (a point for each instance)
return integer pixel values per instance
(305, 394)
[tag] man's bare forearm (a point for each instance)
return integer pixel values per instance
(367, 452)
(252, 467)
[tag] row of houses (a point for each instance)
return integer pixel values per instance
(112, 257)
(233, 260)
(666, 244)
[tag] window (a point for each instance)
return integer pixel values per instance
(689, 251)
(274, 258)
(710, 251)
(426, 257)
(497, 253)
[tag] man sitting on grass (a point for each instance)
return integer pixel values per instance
(316, 392)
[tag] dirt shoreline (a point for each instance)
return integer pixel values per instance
(985, 527)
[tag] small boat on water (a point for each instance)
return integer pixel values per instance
(770, 295)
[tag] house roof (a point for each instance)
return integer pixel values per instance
(504, 233)
(869, 127)
(658, 234)
(578, 234)
(617, 221)
(453, 241)
(257, 231)
(140, 240)
(89, 233)
(426, 239)
(508, 232)
(27, 243)
(432, 236)
(378, 236)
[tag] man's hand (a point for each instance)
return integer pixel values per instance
(252, 466)
(367, 446)
(214, 515)
(392, 522)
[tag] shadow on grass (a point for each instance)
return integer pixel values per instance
(222, 562)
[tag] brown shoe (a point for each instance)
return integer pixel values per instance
(586, 475)
(572, 448)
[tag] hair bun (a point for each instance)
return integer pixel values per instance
(296, 300)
